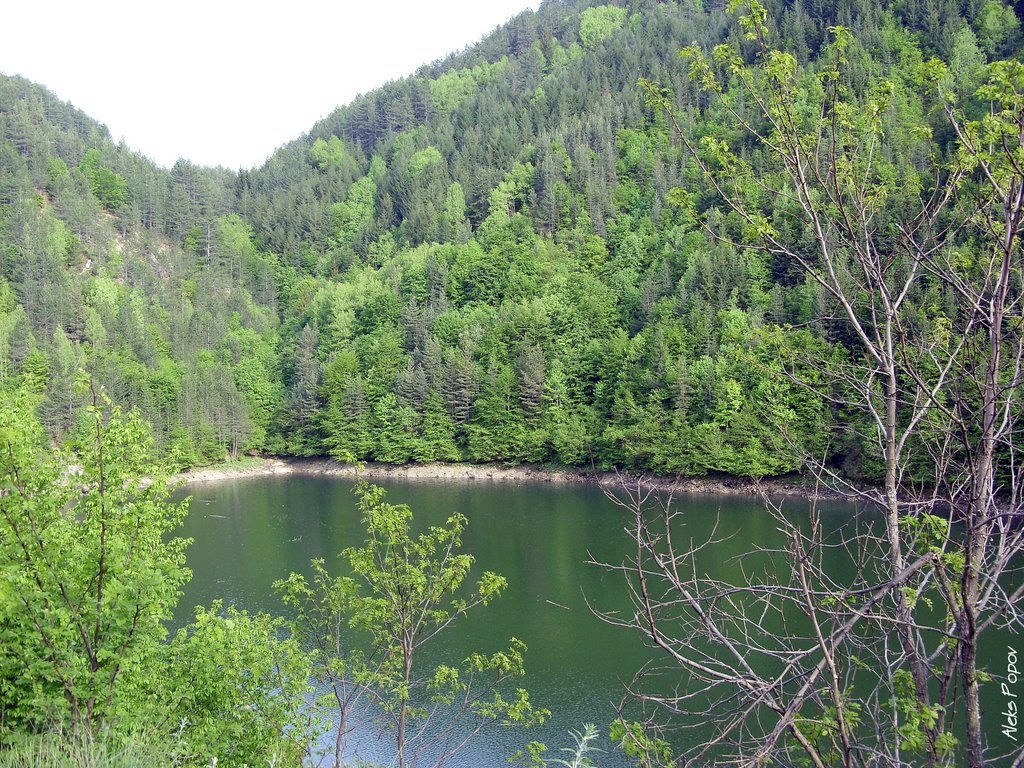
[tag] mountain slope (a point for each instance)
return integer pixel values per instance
(483, 261)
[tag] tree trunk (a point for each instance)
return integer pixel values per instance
(904, 613)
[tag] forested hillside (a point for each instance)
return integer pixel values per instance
(507, 256)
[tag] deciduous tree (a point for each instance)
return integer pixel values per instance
(369, 630)
(921, 268)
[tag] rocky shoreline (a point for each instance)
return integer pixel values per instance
(498, 473)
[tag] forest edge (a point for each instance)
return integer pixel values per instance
(786, 485)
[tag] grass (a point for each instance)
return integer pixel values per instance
(67, 750)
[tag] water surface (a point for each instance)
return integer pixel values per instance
(250, 531)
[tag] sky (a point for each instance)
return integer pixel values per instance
(223, 82)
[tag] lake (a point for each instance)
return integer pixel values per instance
(252, 530)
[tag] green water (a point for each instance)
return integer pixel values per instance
(250, 531)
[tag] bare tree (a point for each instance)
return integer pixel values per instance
(923, 266)
(756, 694)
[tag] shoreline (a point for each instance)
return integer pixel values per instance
(498, 473)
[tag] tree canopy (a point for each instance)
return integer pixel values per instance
(506, 256)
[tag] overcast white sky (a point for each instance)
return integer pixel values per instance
(227, 82)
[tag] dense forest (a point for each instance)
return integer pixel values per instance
(797, 247)
(507, 256)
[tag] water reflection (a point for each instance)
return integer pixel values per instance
(250, 531)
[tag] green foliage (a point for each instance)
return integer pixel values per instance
(62, 749)
(510, 194)
(109, 187)
(396, 430)
(326, 154)
(648, 751)
(455, 226)
(579, 756)
(367, 630)
(455, 86)
(823, 730)
(355, 214)
(917, 720)
(437, 442)
(423, 159)
(599, 22)
(35, 371)
(76, 636)
(57, 175)
(90, 573)
(582, 306)
(238, 691)
(568, 219)
(998, 28)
